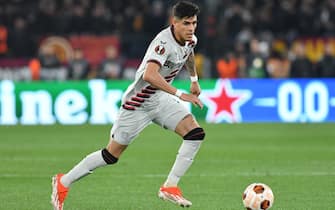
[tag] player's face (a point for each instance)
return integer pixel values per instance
(185, 28)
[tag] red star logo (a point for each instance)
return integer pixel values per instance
(224, 102)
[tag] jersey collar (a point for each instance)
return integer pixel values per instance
(175, 38)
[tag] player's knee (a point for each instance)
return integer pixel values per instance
(195, 134)
(108, 157)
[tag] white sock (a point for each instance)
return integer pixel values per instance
(83, 168)
(185, 156)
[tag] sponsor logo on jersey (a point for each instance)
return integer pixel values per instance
(172, 65)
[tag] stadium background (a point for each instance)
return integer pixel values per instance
(79, 40)
(67, 62)
(237, 39)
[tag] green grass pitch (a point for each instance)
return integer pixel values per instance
(296, 160)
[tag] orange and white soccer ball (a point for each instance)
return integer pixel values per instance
(258, 196)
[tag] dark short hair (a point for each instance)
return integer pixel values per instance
(185, 9)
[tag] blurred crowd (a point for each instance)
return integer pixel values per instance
(237, 38)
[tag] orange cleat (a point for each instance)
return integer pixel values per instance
(59, 192)
(174, 195)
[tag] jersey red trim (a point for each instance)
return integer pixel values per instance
(143, 95)
(151, 88)
(175, 71)
(134, 98)
(133, 103)
(128, 107)
(145, 90)
(155, 61)
(170, 76)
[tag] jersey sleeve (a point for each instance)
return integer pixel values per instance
(158, 51)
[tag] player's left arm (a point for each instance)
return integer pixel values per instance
(190, 66)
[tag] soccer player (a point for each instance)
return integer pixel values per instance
(150, 98)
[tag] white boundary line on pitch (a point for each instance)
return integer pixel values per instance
(241, 174)
(247, 174)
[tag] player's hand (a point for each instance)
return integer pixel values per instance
(192, 98)
(195, 88)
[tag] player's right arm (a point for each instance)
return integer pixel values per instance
(152, 76)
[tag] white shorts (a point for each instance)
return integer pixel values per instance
(168, 112)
